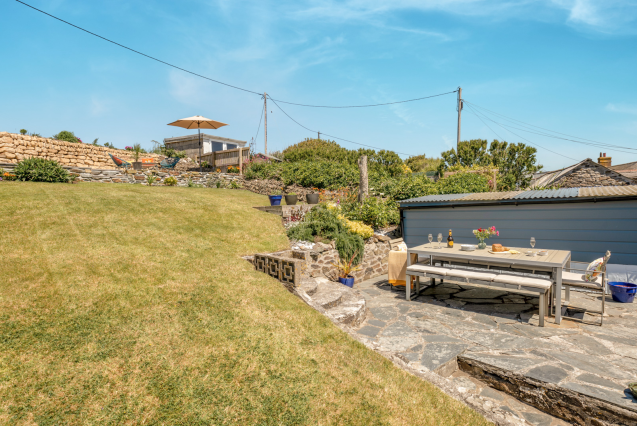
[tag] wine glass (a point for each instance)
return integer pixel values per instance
(431, 238)
(532, 242)
(439, 240)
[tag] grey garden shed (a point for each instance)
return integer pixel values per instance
(586, 221)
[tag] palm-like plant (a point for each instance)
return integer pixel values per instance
(137, 149)
(346, 267)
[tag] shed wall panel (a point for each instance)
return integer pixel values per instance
(586, 229)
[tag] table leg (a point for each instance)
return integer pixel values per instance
(408, 281)
(558, 295)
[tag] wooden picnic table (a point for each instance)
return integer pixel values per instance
(554, 262)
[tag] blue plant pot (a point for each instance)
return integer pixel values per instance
(275, 200)
(623, 292)
(349, 281)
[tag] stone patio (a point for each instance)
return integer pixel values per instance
(577, 371)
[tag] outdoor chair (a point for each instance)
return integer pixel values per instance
(577, 278)
(119, 162)
(169, 163)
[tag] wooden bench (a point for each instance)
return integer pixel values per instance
(486, 277)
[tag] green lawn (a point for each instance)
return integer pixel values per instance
(126, 304)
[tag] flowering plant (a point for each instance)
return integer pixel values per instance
(128, 148)
(484, 233)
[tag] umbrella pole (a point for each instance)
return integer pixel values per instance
(199, 131)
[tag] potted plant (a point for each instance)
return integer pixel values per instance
(137, 149)
(312, 198)
(275, 198)
(291, 199)
(484, 233)
(345, 269)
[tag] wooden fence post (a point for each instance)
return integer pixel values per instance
(363, 186)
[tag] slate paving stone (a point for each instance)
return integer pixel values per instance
(501, 309)
(588, 344)
(377, 323)
(411, 356)
(535, 331)
(403, 308)
(480, 301)
(439, 338)
(454, 303)
(610, 336)
(492, 393)
(505, 362)
(371, 292)
(464, 382)
(505, 318)
(426, 325)
(499, 341)
(384, 314)
(600, 381)
(484, 319)
(439, 290)
(589, 363)
(625, 350)
(369, 331)
(398, 343)
(398, 329)
(547, 373)
(480, 293)
(613, 396)
(416, 348)
(436, 355)
(415, 314)
(537, 418)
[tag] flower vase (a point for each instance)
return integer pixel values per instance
(482, 245)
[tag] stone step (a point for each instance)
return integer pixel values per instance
(343, 304)
(309, 286)
(328, 295)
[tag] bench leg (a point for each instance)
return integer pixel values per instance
(567, 297)
(542, 308)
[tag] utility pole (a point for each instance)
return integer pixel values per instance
(319, 135)
(265, 108)
(459, 114)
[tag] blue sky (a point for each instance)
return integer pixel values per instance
(565, 65)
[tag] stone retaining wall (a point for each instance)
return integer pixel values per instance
(291, 266)
(14, 147)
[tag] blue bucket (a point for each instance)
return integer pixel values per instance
(275, 200)
(623, 292)
(349, 281)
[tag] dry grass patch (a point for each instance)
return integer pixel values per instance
(124, 304)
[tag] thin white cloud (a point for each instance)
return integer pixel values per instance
(622, 108)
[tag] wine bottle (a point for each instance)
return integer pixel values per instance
(450, 240)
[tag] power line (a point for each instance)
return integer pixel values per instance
(367, 106)
(331, 136)
(217, 81)
(576, 140)
(532, 143)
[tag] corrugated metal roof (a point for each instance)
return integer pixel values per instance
(492, 196)
(608, 191)
(548, 193)
(435, 198)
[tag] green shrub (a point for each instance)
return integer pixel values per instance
(67, 136)
(40, 170)
(463, 182)
(319, 222)
(23, 131)
(170, 181)
(150, 179)
(234, 185)
(407, 186)
(349, 244)
(374, 212)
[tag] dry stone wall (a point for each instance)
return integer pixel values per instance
(15, 147)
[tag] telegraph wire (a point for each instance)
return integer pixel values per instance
(532, 143)
(331, 136)
(366, 106)
(217, 81)
(260, 120)
(579, 140)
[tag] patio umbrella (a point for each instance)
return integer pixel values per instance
(199, 123)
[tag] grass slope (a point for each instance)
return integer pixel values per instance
(123, 304)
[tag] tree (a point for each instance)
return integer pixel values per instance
(516, 163)
(67, 136)
(420, 163)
